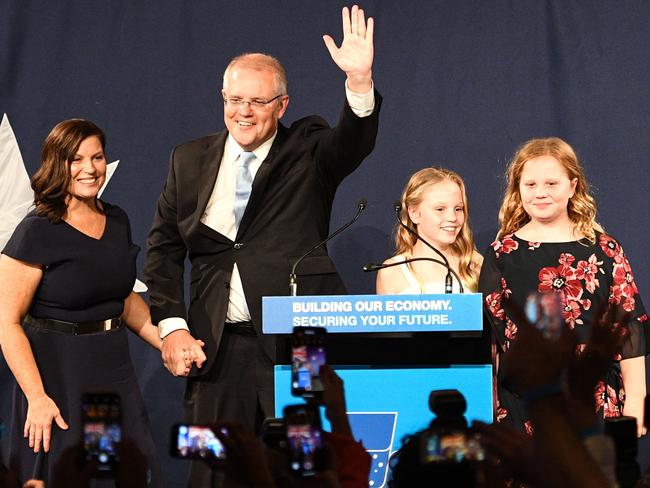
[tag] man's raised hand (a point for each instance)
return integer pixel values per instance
(356, 53)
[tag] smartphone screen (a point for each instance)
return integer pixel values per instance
(102, 428)
(544, 311)
(453, 446)
(304, 439)
(307, 356)
(195, 442)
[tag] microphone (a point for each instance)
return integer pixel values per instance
(371, 267)
(293, 283)
(397, 207)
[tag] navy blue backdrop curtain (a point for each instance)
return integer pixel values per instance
(464, 83)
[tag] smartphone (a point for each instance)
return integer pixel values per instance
(274, 434)
(307, 356)
(455, 446)
(189, 441)
(304, 439)
(544, 311)
(102, 429)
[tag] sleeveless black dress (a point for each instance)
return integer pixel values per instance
(84, 279)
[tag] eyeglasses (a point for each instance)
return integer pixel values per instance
(255, 103)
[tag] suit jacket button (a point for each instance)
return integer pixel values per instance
(238, 245)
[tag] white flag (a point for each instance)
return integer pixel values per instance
(16, 196)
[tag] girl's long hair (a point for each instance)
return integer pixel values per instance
(581, 207)
(463, 246)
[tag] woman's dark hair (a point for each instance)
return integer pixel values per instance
(52, 180)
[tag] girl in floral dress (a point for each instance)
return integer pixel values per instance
(549, 241)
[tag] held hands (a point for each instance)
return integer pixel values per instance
(180, 350)
(356, 52)
(41, 410)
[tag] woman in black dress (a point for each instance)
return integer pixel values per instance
(66, 276)
(549, 241)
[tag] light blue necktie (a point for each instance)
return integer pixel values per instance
(243, 185)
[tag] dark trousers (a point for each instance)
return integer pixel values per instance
(239, 387)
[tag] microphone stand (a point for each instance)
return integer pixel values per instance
(293, 283)
(448, 280)
(368, 268)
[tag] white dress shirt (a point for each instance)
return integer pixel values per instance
(219, 213)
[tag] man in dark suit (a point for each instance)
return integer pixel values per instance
(243, 204)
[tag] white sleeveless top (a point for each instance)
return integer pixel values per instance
(414, 286)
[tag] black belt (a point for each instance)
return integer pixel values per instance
(242, 328)
(74, 328)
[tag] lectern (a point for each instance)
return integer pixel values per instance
(391, 351)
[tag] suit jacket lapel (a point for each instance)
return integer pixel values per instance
(209, 163)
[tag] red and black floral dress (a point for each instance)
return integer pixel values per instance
(584, 275)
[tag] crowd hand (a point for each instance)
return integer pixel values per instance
(510, 454)
(180, 350)
(608, 333)
(8, 478)
(356, 53)
(334, 401)
(72, 471)
(33, 484)
(41, 411)
(246, 458)
(132, 468)
(606, 337)
(532, 360)
(326, 478)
